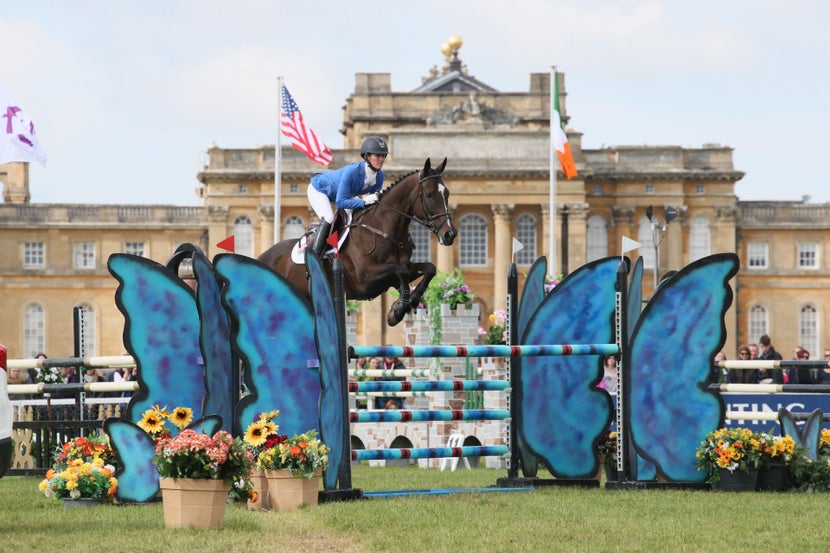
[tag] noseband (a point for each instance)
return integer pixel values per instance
(429, 222)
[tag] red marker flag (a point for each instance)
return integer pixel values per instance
(332, 241)
(227, 244)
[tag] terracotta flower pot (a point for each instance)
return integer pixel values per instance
(287, 491)
(196, 502)
(260, 483)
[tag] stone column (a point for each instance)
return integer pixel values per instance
(577, 235)
(266, 229)
(545, 209)
(217, 227)
(671, 251)
(501, 260)
(623, 217)
(15, 179)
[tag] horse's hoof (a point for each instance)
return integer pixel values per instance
(396, 313)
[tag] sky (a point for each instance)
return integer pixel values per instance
(127, 96)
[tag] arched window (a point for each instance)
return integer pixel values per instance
(526, 234)
(34, 332)
(88, 330)
(243, 236)
(294, 228)
(645, 238)
(758, 323)
(472, 241)
(699, 239)
(420, 236)
(808, 330)
(597, 238)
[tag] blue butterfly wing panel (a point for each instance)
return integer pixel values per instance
(161, 332)
(332, 358)
(671, 349)
(561, 413)
(273, 334)
(221, 377)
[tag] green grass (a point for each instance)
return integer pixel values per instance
(546, 519)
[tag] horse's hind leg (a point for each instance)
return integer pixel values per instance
(403, 304)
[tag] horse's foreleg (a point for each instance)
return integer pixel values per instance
(428, 272)
(403, 304)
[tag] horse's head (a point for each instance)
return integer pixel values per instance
(433, 207)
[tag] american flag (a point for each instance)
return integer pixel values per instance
(301, 136)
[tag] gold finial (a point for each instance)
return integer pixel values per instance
(455, 42)
(446, 50)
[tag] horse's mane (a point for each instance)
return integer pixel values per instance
(400, 179)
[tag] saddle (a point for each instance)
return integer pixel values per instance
(342, 220)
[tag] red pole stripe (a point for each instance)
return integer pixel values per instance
(406, 416)
(352, 386)
(406, 386)
(462, 351)
(456, 452)
(515, 350)
(567, 350)
(406, 453)
(408, 351)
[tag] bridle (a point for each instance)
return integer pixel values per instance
(428, 223)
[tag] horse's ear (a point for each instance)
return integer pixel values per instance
(440, 168)
(427, 167)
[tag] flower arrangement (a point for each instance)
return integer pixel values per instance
(496, 333)
(263, 433)
(81, 479)
(303, 455)
(551, 282)
(86, 449)
(193, 455)
(607, 446)
(731, 449)
(776, 449)
(48, 375)
(154, 421)
(84, 467)
(447, 288)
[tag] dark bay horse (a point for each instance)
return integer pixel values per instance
(377, 253)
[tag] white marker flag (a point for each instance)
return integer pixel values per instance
(18, 141)
(517, 246)
(628, 244)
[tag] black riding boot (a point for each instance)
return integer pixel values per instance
(320, 237)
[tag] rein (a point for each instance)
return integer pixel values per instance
(429, 224)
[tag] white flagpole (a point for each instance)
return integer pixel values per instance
(277, 160)
(553, 265)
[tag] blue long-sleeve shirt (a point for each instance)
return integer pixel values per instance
(341, 186)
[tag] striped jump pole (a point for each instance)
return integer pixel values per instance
(769, 416)
(375, 373)
(404, 415)
(429, 386)
(112, 361)
(483, 350)
(774, 364)
(427, 452)
(771, 388)
(91, 387)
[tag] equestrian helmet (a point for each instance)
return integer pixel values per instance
(374, 145)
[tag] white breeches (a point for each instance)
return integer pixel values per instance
(320, 204)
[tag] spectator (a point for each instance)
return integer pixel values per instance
(390, 364)
(721, 374)
(743, 376)
(391, 405)
(768, 353)
(823, 376)
(16, 376)
(609, 376)
(33, 371)
(800, 375)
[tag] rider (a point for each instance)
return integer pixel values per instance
(344, 185)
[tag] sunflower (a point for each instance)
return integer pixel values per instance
(181, 417)
(256, 434)
(152, 422)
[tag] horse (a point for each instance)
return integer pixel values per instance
(377, 253)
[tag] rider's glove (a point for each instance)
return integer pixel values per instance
(370, 199)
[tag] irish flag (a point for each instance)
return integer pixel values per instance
(558, 136)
